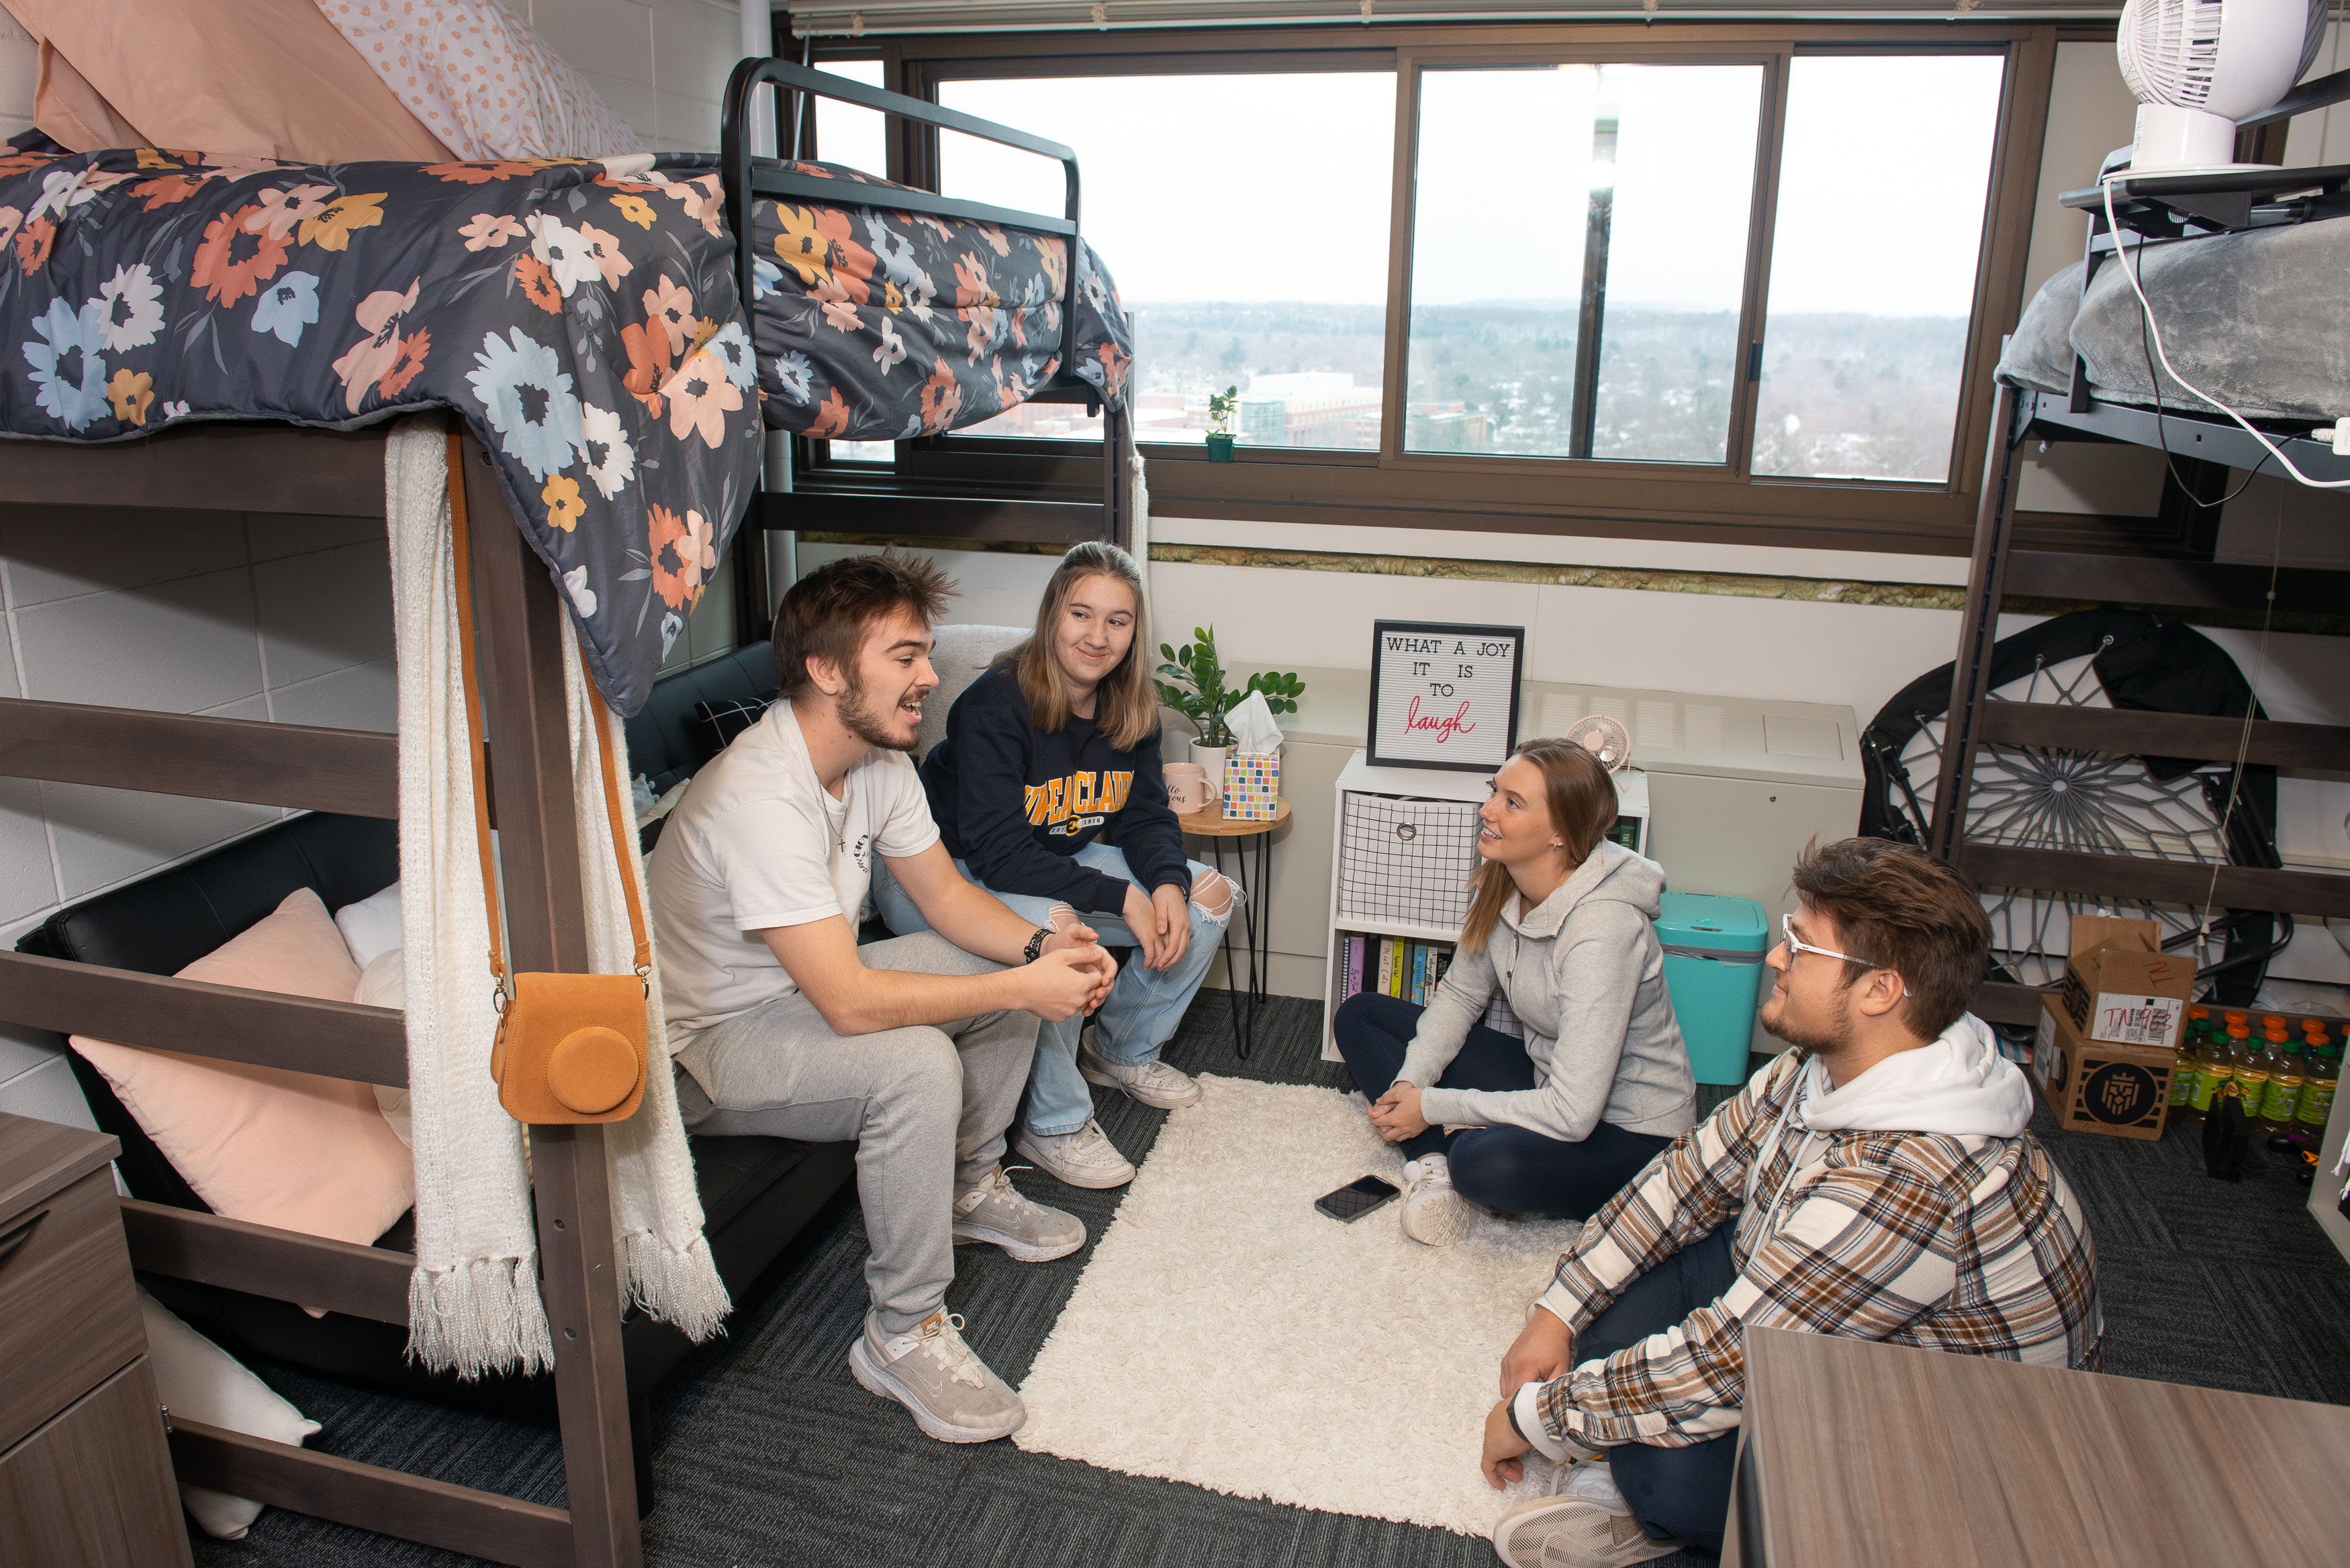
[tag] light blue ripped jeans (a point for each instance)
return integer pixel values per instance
(1145, 1004)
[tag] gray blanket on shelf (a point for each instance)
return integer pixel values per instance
(2260, 320)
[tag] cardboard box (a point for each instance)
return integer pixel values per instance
(2121, 987)
(2097, 1085)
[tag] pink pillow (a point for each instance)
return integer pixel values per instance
(247, 79)
(288, 1149)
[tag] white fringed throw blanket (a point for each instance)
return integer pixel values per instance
(474, 1304)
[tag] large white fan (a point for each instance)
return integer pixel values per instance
(2197, 67)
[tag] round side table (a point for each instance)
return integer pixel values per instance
(1211, 824)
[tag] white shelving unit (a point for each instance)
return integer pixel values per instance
(1359, 778)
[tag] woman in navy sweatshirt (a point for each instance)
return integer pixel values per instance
(1048, 792)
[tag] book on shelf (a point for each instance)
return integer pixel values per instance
(1400, 967)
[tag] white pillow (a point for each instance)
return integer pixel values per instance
(370, 929)
(482, 81)
(384, 983)
(198, 1379)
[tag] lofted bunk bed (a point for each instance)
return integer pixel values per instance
(591, 325)
(2238, 265)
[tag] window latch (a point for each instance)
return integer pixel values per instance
(1754, 360)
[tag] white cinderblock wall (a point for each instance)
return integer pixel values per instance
(662, 64)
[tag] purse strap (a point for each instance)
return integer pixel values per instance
(475, 752)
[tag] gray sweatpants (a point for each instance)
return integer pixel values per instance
(926, 1106)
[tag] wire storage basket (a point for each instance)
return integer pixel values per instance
(1406, 861)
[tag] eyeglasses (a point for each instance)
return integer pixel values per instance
(1797, 944)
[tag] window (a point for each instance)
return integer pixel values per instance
(1863, 346)
(1245, 219)
(1578, 256)
(1734, 282)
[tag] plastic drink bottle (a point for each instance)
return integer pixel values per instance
(2282, 1101)
(2217, 1078)
(2252, 1071)
(2317, 1094)
(2183, 1077)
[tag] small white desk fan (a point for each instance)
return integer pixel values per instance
(2197, 67)
(1604, 738)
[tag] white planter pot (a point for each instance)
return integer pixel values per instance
(1212, 759)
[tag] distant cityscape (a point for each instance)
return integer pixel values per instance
(1844, 396)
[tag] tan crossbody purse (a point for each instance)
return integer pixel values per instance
(570, 1047)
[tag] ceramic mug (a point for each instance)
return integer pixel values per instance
(1190, 789)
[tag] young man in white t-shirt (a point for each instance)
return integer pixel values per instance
(916, 1048)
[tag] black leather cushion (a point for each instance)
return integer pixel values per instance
(714, 725)
(162, 923)
(662, 746)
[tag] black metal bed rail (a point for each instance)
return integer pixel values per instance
(748, 178)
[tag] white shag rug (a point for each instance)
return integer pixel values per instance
(1228, 1334)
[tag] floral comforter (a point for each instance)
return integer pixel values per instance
(581, 317)
(875, 325)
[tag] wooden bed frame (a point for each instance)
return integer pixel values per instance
(278, 469)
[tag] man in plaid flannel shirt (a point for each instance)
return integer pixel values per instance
(1875, 1182)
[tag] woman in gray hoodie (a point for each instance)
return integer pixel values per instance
(1559, 924)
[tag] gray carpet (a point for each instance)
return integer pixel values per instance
(769, 1453)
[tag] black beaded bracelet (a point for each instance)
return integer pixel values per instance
(1036, 944)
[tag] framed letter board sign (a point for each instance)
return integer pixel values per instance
(1444, 696)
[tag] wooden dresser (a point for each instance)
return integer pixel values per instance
(85, 1478)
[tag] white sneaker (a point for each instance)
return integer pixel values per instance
(1433, 1214)
(939, 1379)
(995, 1211)
(1585, 1523)
(1154, 1083)
(1084, 1157)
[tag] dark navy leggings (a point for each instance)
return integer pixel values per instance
(1509, 1168)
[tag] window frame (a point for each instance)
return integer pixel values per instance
(1511, 494)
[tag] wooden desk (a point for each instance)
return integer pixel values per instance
(1861, 1455)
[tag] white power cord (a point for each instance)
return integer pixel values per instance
(2340, 436)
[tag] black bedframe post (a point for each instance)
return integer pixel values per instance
(1116, 526)
(523, 679)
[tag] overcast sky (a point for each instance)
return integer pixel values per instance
(1277, 187)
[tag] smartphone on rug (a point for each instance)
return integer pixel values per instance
(1357, 1198)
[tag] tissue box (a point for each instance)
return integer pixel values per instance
(1252, 787)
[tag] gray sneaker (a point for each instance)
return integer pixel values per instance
(1154, 1083)
(948, 1390)
(1084, 1157)
(995, 1213)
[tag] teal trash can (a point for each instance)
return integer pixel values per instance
(1713, 970)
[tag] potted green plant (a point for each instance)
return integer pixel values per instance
(1223, 407)
(1194, 686)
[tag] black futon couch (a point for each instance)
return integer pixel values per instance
(756, 1193)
